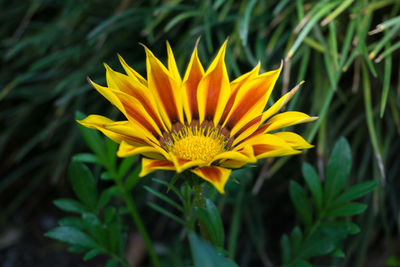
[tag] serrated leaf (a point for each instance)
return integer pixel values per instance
(349, 209)
(69, 205)
(92, 253)
(301, 202)
(205, 255)
(83, 183)
(354, 192)
(314, 184)
(212, 219)
(72, 236)
(338, 169)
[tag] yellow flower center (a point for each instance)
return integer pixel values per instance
(196, 142)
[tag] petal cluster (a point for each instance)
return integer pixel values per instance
(202, 122)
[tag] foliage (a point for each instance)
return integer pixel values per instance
(323, 232)
(346, 51)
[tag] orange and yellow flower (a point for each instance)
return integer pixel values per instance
(202, 123)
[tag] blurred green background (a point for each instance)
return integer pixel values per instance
(346, 51)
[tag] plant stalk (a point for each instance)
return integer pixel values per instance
(130, 204)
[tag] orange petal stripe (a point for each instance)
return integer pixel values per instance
(165, 89)
(193, 76)
(217, 176)
(235, 85)
(137, 90)
(150, 165)
(214, 90)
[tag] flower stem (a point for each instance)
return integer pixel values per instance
(198, 199)
(130, 204)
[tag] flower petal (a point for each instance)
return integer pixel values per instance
(131, 72)
(184, 164)
(217, 176)
(117, 131)
(193, 76)
(288, 118)
(247, 130)
(251, 100)
(127, 150)
(232, 163)
(214, 90)
(280, 103)
(132, 87)
(294, 140)
(137, 113)
(268, 145)
(235, 85)
(172, 67)
(165, 89)
(108, 94)
(244, 154)
(150, 165)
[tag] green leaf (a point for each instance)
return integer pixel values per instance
(301, 202)
(74, 222)
(70, 205)
(347, 210)
(205, 255)
(112, 263)
(106, 196)
(285, 246)
(72, 236)
(354, 192)
(323, 241)
(212, 219)
(83, 184)
(125, 165)
(92, 253)
(338, 253)
(338, 169)
(106, 176)
(296, 238)
(164, 198)
(86, 158)
(314, 184)
(132, 178)
(244, 23)
(166, 213)
(350, 227)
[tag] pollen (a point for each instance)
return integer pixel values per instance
(196, 143)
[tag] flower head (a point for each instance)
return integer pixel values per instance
(202, 123)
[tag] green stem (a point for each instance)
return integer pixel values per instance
(130, 204)
(198, 199)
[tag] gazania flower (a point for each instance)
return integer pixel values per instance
(201, 123)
